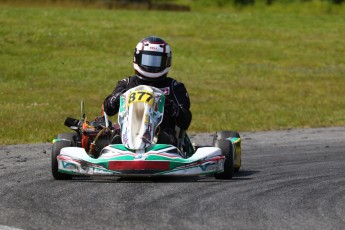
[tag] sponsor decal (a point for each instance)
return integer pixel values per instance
(68, 165)
(208, 166)
(166, 90)
(147, 118)
(153, 48)
(124, 137)
(147, 137)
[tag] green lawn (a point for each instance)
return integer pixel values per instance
(245, 70)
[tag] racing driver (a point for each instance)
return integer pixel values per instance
(152, 62)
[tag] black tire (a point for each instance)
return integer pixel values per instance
(227, 151)
(72, 137)
(57, 146)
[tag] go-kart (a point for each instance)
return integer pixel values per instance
(130, 149)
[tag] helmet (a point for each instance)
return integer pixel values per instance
(152, 58)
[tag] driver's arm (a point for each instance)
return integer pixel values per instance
(180, 96)
(112, 102)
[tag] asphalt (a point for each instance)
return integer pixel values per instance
(290, 179)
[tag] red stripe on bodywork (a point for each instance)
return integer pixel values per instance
(139, 165)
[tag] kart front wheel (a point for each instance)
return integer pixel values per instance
(57, 146)
(227, 151)
(72, 137)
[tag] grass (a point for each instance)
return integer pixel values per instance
(245, 70)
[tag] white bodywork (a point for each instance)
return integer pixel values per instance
(141, 111)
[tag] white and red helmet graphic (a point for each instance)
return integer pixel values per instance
(152, 58)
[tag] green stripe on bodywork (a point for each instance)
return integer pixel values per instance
(122, 158)
(157, 147)
(67, 172)
(160, 158)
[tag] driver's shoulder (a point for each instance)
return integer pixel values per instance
(173, 82)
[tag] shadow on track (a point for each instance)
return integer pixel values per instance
(239, 176)
(244, 175)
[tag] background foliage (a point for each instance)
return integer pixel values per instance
(252, 68)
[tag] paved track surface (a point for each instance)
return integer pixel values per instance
(293, 179)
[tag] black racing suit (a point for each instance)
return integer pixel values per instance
(176, 111)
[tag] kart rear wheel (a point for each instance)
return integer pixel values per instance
(227, 151)
(57, 146)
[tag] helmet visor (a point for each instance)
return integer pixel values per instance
(151, 60)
